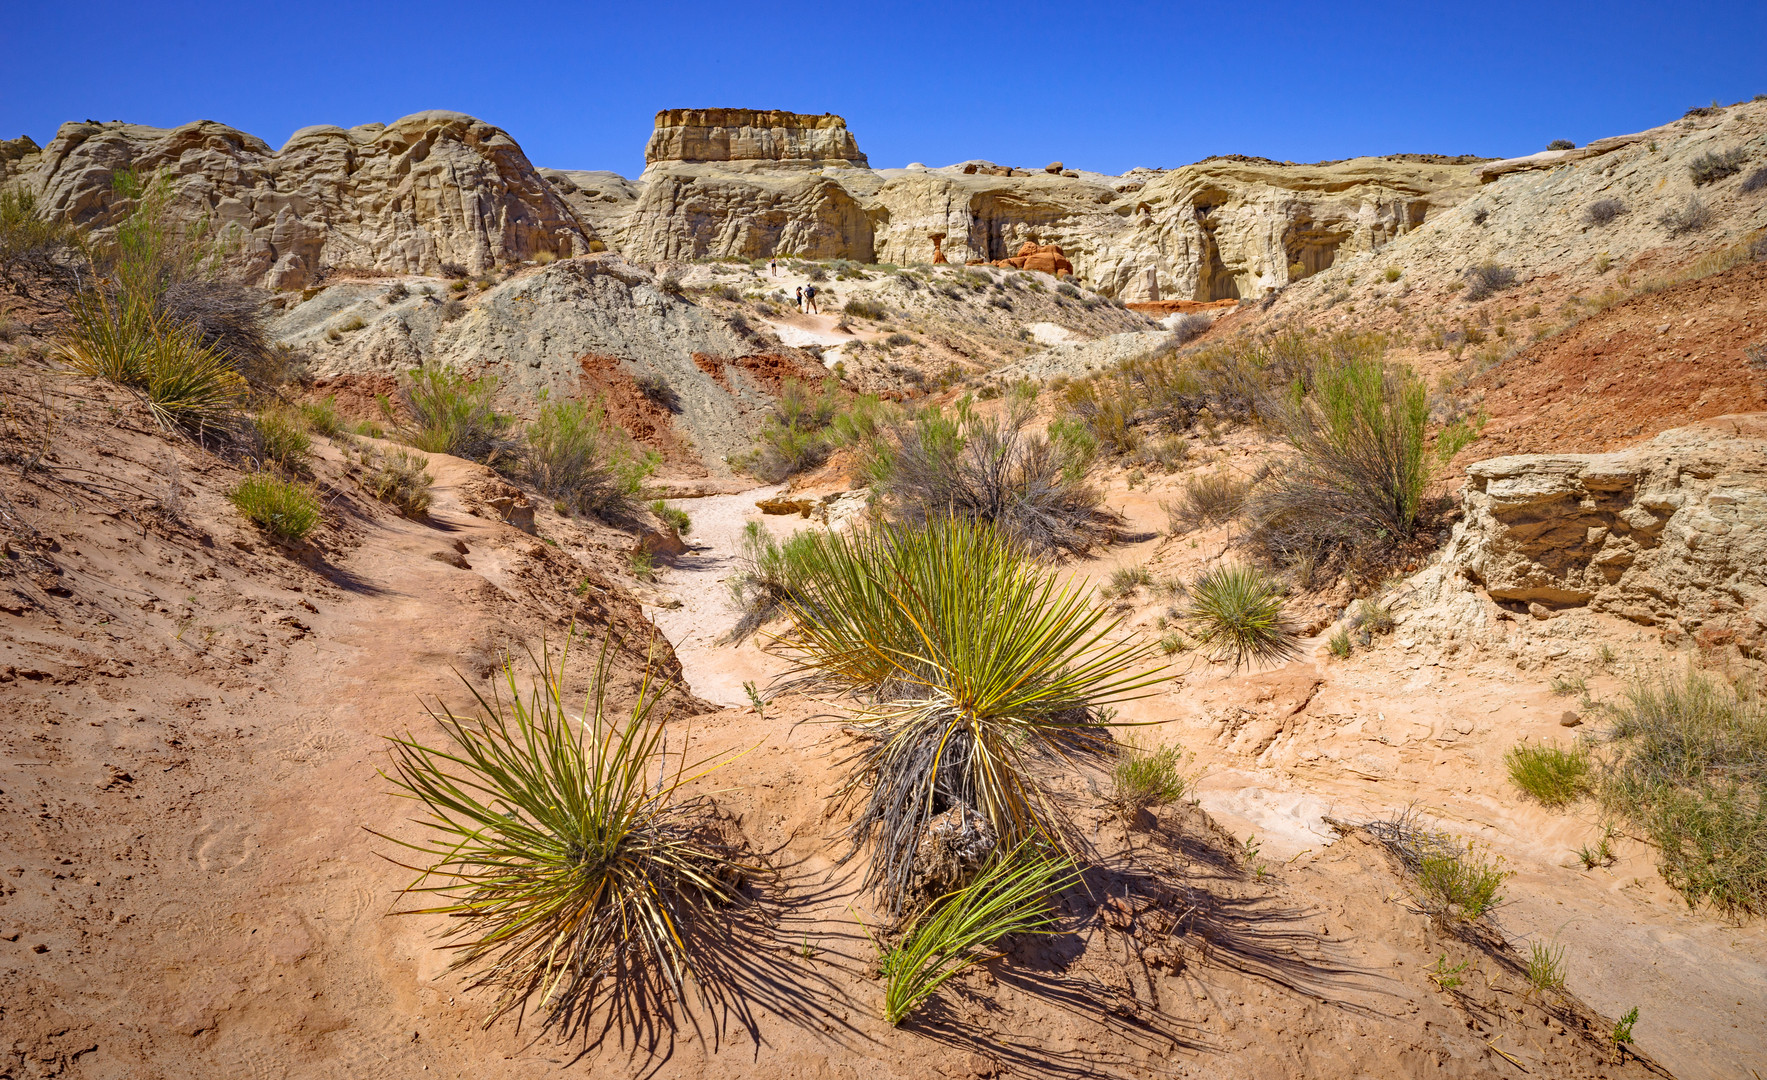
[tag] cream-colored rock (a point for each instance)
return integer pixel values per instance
(751, 136)
(1671, 533)
(432, 188)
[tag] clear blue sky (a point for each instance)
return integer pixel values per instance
(1098, 86)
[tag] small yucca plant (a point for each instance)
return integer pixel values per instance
(1236, 613)
(979, 662)
(1009, 896)
(565, 855)
(121, 340)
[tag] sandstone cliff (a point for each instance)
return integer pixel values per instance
(761, 137)
(431, 189)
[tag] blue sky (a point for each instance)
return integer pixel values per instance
(1097, 86)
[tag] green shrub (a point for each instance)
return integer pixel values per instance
(1339, 643)
(860, 307)
(795, 437)
(1553, 775)
(1462, 884)
(1688, 763)
(1236, 613)
(321, 416)
(1392, 274)
(1126, 579)
(1372, 617)
(1144, 779)
(453, 414)
(282, 437)
(1355, 487)
(768, 573)
(574, 454)
(1010, 896)
(566, 860)
(1546, 967)
(400, 478)
(29, 241)
(988, 670)
(674, 517)
(187, 384)
(285, 510)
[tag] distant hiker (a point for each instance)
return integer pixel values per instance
(800, 299)
(773, 267)
(810, 299)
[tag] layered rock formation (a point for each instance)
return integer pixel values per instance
(431, 189)
(1671, 533)
(760, 137)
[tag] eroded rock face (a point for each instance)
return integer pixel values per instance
(430, 189)
(757, 136)
(1670, 533)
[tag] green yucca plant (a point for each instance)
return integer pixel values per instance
(1009, 896)
(565, 856)
(109, 338)
(979, 662)
(1236, 612)
(120, 339)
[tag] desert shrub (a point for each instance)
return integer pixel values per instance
(1487, 279)
(1189, 328)
(1460, 882)
(1713, 166)
(768, 573)
(30, 242)
(1392, 274)
(1691, 216)
(1126, 579)
(656, 388)
(401, 478)
(1236, 614)
(1688, 763)
(1009, 896)
(817, 273)
(397, 292)
(1339, 643)
(282, 437)
(1753, 182)
(1143, 779)
(1372, 617)
(1561, 144)
(454, 414)
(228, 318)
(796, 436)
(1481, 215)
(672, 516)
(725, 292)
(1546, 967)
(1551, 774)
(861, 308)
(898, 340)
(1603, 211)
(987, 671)
(572, 453)
(285, 510)
(321, 417)
(938, 464)
(1354, 488)
(1211, 498)
(567, 859)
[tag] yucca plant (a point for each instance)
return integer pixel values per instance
(121, 340)
(979, 663)
(109, 338)
(1009, 896)
(566, 856)
(1236, 613)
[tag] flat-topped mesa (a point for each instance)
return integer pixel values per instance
(768, 137)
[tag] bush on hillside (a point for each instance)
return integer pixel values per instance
(1208, 499)
(1354, 488)
(1714, 165)
(1603, 211)
(1561, 144)
(401, 478)
(29, 242)
(573, 454)
(452, 413)
(796, 436)
(861, 308)
(1189, 328)
(285, 510)
(1487, 279)
(1236, 614)
(1753, 182)
(1691, 216)
(123, 340)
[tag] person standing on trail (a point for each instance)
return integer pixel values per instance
(810, 299)
(800, 299)
(773, 267)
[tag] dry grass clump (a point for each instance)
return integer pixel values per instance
(1688, 762)
(282, 437)
(1553, 775)
(400, 478)
(768, 573)
(29, 241)
(286, 510)
(1603, 212)
(322, 417)
(565, 856)
(982, 667)
(1753, 182)
(1235, 614)
(1691, 216)
(1454, 879)
(1211, 498)
(861, 308)
(1487, 279)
